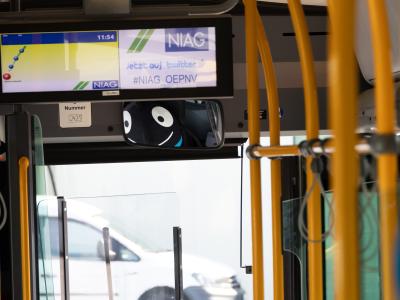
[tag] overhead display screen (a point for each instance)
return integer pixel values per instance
(111, 60)
(40, 62)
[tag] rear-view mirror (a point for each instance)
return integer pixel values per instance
(174, 124)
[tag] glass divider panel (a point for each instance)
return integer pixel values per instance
(48, 248)
(140, 246)
(49, 283)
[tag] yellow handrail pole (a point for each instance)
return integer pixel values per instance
(274, 131)
(307, 67)
(362, 147)
(253, 102)
(387, 163)
(343, 110)
(277, 151)
(314, 219)
(24, 232)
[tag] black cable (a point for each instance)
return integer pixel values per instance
(247, 268)
(241, 206)
(317, 167)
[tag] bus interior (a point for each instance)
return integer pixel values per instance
(199, 149)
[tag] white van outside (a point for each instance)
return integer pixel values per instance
(137, 273)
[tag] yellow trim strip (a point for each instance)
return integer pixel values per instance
(276, 182)
(253, 102)
(24, 217)
(387, 163)
(343, 91)
(315, 284)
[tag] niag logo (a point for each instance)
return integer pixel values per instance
(186, 39)
(105, 84)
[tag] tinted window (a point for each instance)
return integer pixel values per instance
(84, 240)
(54, 235)
(123, 254)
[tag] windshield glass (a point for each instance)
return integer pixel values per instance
(139, 204)
(136, 217)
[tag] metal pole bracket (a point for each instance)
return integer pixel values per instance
(250, 152)
(384, 144)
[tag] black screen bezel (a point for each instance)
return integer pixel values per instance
(224, 60)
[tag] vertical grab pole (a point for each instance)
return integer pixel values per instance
(314, 219)
(253, 102)
(386, 121)
(274, 130)
(63, 244)
(177, 237)
(343, 111)
(107, 242)
(24, 231)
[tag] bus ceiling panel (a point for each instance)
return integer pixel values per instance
(288, 70)
(163, 7)
(212, 8)
(364, 49)
(73, 9)
(159, 9)
(280, 33)
(304, 2)
(78, 3)
(140, 7)
(107, 117)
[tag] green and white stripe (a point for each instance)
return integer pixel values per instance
(81, 85)
(141, 40)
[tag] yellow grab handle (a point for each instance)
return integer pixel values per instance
(277, 151)
(253, 102)
(24, 223)
(271, 82)
(387, 163)
(274, 130)
(343, 109)
(315, 284)
(307, 68)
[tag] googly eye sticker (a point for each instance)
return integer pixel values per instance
(127, 122)
(162, 116)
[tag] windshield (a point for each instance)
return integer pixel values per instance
(136, 217)
(140, 203)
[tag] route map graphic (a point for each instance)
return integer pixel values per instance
(58, 61)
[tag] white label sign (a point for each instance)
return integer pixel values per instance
(74, 115)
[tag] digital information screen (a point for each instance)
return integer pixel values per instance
(109, 60)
